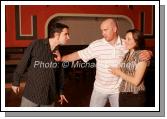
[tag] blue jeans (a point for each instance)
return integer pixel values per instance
(99, 99)
(28, 103)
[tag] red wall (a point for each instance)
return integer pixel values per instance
(43, 12)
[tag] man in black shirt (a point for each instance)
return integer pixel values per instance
(44, 75)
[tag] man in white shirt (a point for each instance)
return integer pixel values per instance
(108, 52)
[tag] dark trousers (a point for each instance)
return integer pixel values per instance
(127, 99)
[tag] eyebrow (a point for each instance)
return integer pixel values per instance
(67, 33)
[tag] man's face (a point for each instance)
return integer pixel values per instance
(64, 36)
(107, 31)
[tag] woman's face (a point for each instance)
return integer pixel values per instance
(129, 41)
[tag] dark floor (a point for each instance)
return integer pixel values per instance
(77, 91)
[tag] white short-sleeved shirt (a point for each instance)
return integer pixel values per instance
(106, 56)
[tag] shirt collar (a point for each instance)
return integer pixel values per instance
(118, 42)
(46, 42)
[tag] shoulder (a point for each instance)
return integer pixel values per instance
(40, 41)
(137, 55)
(36, 43)
(98, 42)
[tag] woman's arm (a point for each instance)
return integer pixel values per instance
(136, 79)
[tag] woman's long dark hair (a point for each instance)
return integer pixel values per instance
(139, 40)
(138, 37)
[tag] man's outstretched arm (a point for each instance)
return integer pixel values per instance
(70, 57)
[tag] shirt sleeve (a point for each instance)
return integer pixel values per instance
(138, 57)
(22, 66)
(87, 53)
(61, 80)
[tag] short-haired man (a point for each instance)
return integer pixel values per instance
(108, 52)
(42, 83)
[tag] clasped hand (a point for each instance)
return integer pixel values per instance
(115, 71)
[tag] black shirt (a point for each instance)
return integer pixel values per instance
(44, 75)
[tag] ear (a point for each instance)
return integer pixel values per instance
(56, 34)
(115, 29)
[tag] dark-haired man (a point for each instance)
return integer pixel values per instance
(43, 80)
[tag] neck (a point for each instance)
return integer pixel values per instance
(131, 51)
(113, 42)
(53, 42)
